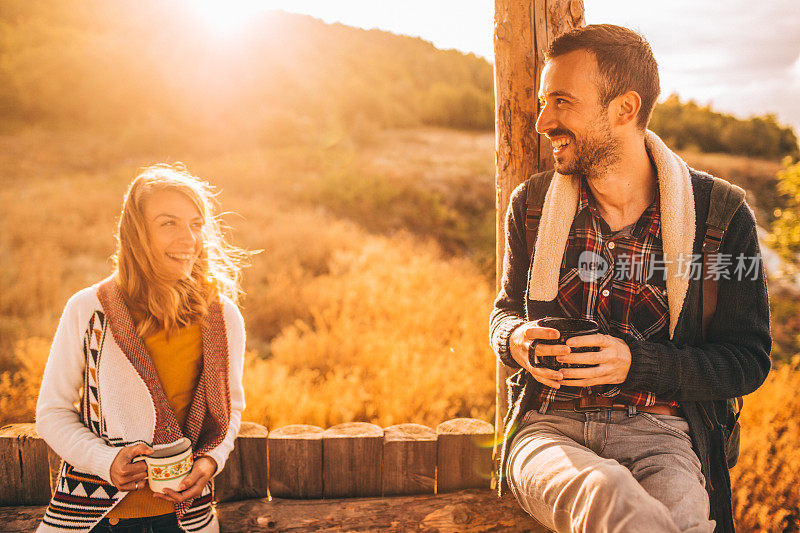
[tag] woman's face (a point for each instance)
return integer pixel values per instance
(175, 230)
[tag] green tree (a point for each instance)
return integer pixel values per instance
(785, 236)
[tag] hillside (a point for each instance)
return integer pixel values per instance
(150, 75)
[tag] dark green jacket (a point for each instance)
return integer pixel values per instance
(733, 361)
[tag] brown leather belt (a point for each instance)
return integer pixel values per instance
(588, 404)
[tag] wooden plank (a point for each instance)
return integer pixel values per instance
(465, 511)
(351, 460)
(22, 519)
(295, 461)
(245, 472)
(409, 460)
(24, 466)
(464, 454)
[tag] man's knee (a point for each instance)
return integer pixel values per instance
(604, 484)
(607, 497)
(605, 481)
(604, 494)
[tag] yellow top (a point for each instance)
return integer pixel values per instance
(178, 363)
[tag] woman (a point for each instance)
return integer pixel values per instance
(150, 355)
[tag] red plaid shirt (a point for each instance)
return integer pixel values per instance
(617, 279)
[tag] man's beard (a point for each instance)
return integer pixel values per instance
(593, 154)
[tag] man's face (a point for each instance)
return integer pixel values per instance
(573, 119)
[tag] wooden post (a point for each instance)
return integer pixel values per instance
(351, 460)
(464, 454)
(245, 472)
(523, 29)
(295, 461)
(409, 460)
(24, 466)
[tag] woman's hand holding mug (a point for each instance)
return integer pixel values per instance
(191, 486)
(125, 474)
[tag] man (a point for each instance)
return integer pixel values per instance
(636, 442)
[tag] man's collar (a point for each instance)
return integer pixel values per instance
(650, 219)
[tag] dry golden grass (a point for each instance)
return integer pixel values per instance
(437, 156)
(766, 495)
(19, 389)
(756, 176)
(732, 165)
(397, 335)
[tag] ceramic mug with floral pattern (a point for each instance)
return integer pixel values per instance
(168, 465)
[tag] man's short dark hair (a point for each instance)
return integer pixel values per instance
(625, 61)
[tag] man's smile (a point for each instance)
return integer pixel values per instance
(560, 144)
(560, 139)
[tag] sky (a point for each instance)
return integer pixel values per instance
(741, 56)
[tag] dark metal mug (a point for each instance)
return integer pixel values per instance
(567, 328)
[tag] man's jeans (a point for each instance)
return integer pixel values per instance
(608, 471)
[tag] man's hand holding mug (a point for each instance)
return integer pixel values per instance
(520, 345)
(569, 351)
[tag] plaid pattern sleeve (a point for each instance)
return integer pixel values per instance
(617, 279)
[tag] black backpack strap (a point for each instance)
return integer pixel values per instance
(723, 202)
(537, 189)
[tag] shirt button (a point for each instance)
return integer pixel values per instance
(605, 293)
(611, 245)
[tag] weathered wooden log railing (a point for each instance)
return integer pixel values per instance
(303, 478)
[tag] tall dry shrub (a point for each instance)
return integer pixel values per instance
(19, 388)
(296, 248)
(766, 495)
(400, 337)
(55, 237)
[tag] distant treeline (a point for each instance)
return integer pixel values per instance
(150, 72)
(690, 126)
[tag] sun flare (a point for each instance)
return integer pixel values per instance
(225, 18)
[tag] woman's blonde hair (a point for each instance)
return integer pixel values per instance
(155, 302)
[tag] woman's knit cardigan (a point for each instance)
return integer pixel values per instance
(100, 392)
